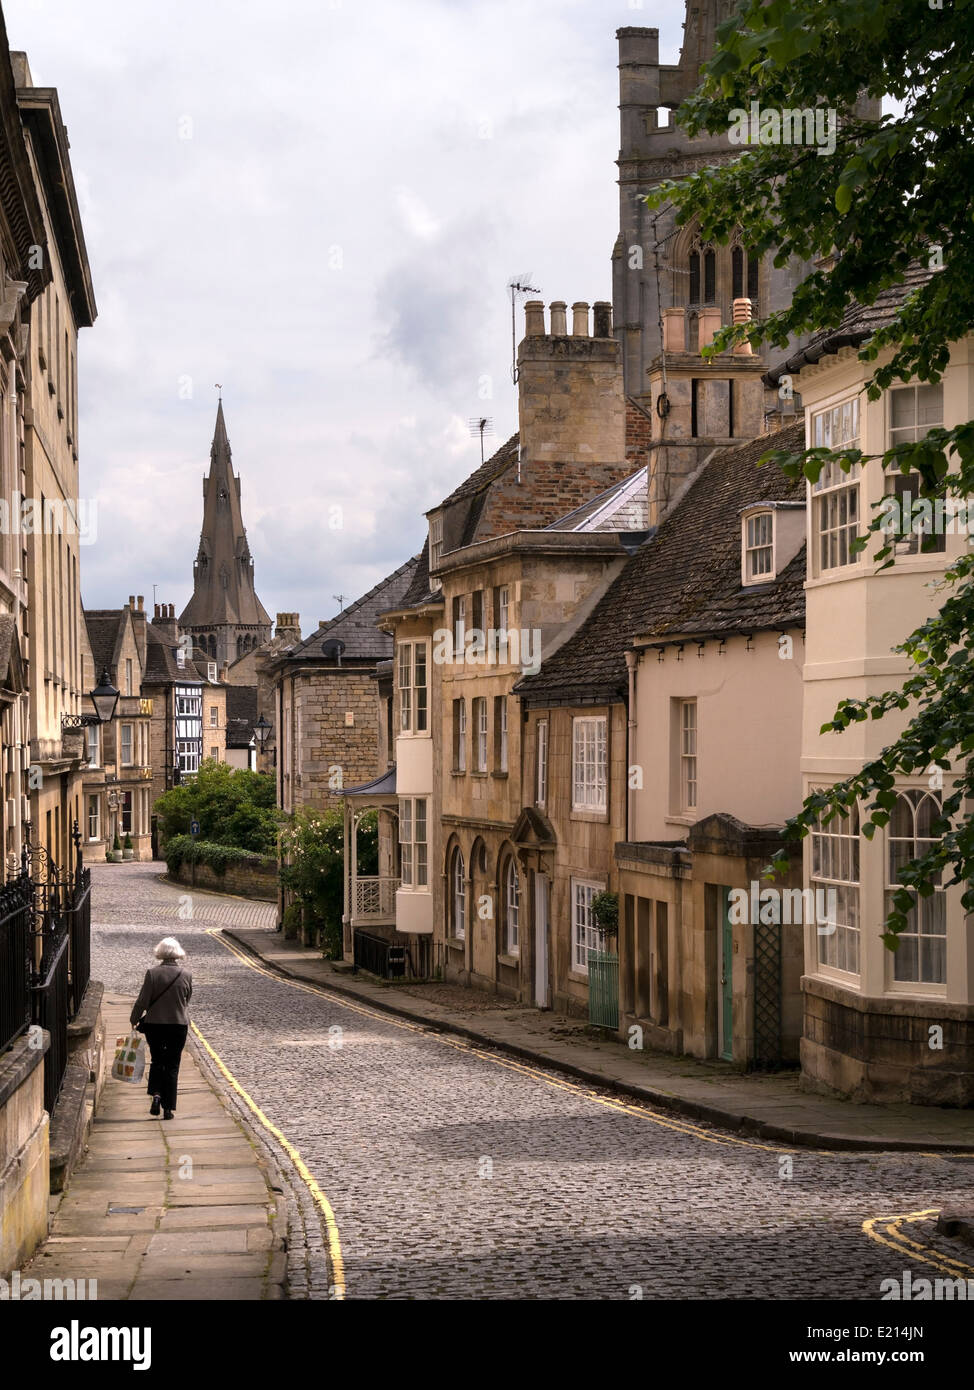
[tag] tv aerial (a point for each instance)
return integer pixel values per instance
(518, 285)
(481, 425)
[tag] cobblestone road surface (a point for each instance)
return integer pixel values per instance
(459, 1175)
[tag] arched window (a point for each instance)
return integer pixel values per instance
(694, 277)
(737, 273)
(710, 276)
(459, 877)
(512, 908)
(744, 275)
(921, 957)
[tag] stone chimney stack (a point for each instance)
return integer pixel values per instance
(165, 622)
(571, 404)
(288, 627)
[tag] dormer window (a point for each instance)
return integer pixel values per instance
(772, 534)
(758, 547)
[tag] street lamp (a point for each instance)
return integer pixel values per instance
(104, 698)
(262, 732)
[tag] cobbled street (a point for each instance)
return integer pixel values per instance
(453, 1175)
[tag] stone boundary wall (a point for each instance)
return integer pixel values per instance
(252, 880)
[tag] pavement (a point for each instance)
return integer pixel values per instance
(768, 1105)
(183, 1208)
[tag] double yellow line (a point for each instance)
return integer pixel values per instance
(892, 1235)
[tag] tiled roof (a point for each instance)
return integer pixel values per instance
(686, 579)
(355, 625)
(102, 625)
(483, 476)
(859, 322)
(160, 661)
(622, 507)
(419, 591)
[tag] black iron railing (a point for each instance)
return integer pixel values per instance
(16, 899)
(79, 937)
(50, 993)
(378, 956)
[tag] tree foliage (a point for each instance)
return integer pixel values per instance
(896, 193)
(233, 806)
(312, 862)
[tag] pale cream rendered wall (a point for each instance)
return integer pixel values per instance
(748, 733)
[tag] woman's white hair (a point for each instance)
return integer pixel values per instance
(169, 949)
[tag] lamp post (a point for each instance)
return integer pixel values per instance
(262, 732)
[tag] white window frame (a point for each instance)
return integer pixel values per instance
(414, 842)
(460, 734)
(512, 908)
(478, 714)
(126, 812)
(94, 816)
(126, 745)
(214, 716)
(94, 745)
(915, 845)
(502, 733)
(413, 673)
(757, 539)
(458, 895)
(128, 675)
(459, 626)
(541, 790)
(585, 935)
(188, 753)
(899, 483)
(836, 511)
(590, 762)
(835, 859)
(688, 758)
(503, 607)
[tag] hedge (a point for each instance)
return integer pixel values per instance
(184, 849)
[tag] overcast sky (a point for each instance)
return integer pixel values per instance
(319, 204)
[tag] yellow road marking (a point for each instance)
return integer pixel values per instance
(911, 1249)
(331, 1226)
(692, 1131)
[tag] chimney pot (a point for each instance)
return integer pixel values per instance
(580, 319)
(742, 314)
(534, 319)
(157, 613)
(140, 599)
(559, 318)
(131, 600)
(602, 315)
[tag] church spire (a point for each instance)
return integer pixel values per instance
(224, 615)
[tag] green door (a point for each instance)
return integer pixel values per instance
(725, 1030)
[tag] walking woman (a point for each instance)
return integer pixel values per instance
(160, 1013)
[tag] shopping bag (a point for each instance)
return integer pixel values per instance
(129, 1063)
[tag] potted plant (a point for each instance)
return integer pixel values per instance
(128, 851)
(114, 855)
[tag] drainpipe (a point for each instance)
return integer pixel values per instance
(631, 662)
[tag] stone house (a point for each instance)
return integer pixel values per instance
(878, 1025)
(117, 784)
(516, 557)
(63, 519)
(661, 748)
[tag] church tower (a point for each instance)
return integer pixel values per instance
(657, 265)
(225, 616)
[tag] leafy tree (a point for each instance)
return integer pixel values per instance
(312, 863)
(233, 806)
(896, 193)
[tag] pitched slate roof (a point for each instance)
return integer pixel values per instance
(859, 322)
(355, 625)
(160, 661)
(684, 580)
(483, 476)
(103, 631)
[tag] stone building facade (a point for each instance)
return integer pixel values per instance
(51, 471)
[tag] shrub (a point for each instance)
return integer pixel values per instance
(605, 910)
(183, 849)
